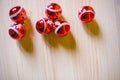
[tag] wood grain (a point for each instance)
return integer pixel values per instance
(90, 51)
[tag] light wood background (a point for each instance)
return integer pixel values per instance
(89, 52)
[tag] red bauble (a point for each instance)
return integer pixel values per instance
(86, 14)
(61, 28)
(44, 25)
(53, 11)
(16, 31)
(17, 14)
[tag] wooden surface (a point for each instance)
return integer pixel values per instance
(90, 51)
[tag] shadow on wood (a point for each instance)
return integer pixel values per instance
(92, 28)
(26, 43)
(68, 41)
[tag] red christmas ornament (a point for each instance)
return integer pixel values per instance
(44, 25)
(61, 28)
(16, 31)
(86, 14)
(53, 11)
(17, 14)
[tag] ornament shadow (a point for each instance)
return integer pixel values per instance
(68, 42)
(92, 28)
(26, 43)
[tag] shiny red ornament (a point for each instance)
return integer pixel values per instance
(61, 28)
(86, 14)
(17, 14)
(16, 31)
(44, 25)
(53, 11)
